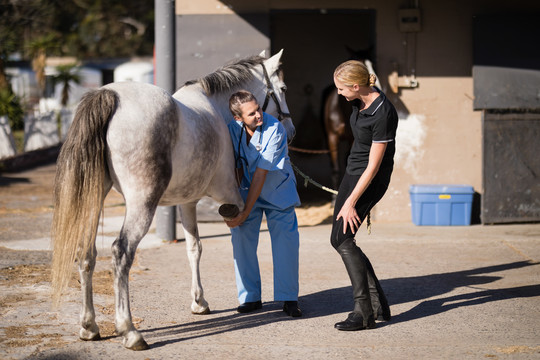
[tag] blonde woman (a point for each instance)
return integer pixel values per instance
(369, 167)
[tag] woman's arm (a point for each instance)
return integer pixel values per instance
(253, 194)
(348, 212)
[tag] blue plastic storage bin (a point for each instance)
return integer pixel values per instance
(441, 204)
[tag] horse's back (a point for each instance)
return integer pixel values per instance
(141, 99)
(143, 111)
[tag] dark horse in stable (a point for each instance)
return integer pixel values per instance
(336, 113)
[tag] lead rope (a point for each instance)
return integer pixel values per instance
(307, 180)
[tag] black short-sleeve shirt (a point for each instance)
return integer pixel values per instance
(378, 123)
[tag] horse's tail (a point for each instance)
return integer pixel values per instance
(79, 188)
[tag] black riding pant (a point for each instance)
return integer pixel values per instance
(367, 201)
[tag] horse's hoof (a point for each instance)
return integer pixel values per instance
(228, 211)
(135, 343)
(87, 335)
(204, 312)
(141, 346)
(95, 338)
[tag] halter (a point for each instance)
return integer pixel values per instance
(270, 93)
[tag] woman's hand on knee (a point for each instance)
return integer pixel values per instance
(350, 218)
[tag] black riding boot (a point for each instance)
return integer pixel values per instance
(378, 298)
(362, 315)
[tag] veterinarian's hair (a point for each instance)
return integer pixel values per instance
(237, 99)
(354, 72)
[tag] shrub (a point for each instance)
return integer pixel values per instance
(10, 106)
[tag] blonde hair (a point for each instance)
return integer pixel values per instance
(354, 72)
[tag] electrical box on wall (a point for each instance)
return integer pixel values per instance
(409, 20)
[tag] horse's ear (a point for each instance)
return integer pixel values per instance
(263, 53)
(274, 61)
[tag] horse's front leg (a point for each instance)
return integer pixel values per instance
(89, 329)
(123, 250)
(194, 251)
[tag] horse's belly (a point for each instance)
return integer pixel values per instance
(181, 195)
(189, 183)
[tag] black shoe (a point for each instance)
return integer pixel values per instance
(292, 309)
(249, 306)
(355, 321)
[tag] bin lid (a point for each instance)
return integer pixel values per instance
(439, 189)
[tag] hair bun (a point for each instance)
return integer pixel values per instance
(372, 79)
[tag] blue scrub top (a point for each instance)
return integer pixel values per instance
(267, 150)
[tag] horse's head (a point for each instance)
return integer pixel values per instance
(272, 97)
(262, 77)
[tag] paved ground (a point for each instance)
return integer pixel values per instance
(469, 292)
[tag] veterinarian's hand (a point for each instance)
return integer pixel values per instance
(350, 217)
(238, 220)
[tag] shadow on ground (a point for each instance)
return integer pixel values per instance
(339, 300)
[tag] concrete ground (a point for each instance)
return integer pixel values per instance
(467, 292)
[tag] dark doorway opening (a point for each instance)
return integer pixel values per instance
(314, 43)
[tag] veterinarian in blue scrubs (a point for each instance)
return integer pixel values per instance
(268, 186)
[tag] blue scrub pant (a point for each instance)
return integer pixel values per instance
(283, 228)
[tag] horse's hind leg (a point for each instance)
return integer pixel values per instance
(194, 251)
(136, 223)
(89, 329)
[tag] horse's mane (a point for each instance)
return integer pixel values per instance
(229, 76)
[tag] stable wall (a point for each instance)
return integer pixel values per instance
(439, 135)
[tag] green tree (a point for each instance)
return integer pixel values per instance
(9, 45)
(66, 75)
(38, 49)
(85, 29)
(115, 28)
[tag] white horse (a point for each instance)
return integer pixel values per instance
(154, 149)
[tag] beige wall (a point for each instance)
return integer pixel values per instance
(439, 135)
(439, 142)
